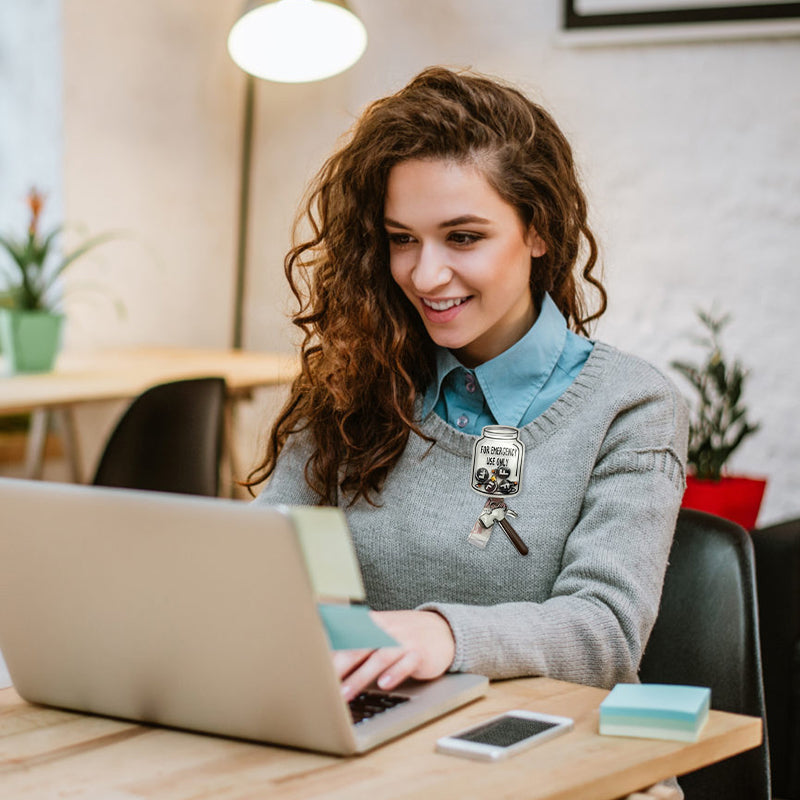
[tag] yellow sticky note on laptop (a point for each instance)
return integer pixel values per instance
(328, 551)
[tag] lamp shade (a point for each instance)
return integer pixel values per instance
(294, 41)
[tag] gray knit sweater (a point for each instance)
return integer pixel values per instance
(602, 483)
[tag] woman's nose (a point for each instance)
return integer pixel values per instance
(431, 271)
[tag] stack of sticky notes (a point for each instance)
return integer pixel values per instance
(655, 711)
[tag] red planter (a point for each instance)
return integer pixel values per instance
(736, 498)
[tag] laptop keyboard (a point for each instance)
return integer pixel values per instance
(368, 704)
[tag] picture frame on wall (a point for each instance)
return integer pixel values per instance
(654, 19)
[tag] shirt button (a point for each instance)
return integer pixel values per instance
(462, 421)
(469, 382)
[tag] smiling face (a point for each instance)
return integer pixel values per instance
(461, 255)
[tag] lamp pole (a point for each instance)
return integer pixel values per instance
(243, 211)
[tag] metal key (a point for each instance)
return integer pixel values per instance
(508, 528)
(482, 529)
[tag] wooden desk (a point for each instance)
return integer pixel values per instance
(49, 753)
(122, 374)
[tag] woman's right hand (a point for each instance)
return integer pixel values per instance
(426, 651)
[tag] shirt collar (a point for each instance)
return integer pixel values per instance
(446, 362)
(511, 380)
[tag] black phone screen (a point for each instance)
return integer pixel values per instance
(506, 731)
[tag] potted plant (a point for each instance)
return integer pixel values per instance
(30, 323)
(719, 425)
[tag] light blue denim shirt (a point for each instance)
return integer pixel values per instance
(514, 387)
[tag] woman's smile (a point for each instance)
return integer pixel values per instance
(443, 305)
(442, 311)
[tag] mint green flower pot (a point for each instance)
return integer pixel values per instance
(30, 339)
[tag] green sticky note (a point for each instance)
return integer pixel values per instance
(351, 628)
(328, 551)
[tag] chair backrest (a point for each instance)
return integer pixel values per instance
(706, 634)
(777, 550)
(169, 440)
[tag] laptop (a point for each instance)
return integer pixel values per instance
(190, 612)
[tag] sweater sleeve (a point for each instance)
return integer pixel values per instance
(595, 624)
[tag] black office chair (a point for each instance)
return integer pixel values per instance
(706, 634)
(169, 440)
(777, 550)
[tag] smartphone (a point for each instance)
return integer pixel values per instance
(504, 735)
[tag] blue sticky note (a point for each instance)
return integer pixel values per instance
(351, 628)
(658, 711)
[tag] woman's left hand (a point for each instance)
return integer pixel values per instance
(426, 651)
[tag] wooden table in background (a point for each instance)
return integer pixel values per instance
(123, 374)
(50, 753)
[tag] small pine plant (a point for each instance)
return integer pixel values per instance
(719, 425)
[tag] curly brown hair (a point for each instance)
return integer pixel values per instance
(365, 355)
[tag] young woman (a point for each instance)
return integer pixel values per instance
(441, 286)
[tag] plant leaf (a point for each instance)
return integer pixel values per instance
(78, 252)
(16, 251)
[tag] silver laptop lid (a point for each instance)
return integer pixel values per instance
(166, 609)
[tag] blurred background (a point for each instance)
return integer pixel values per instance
(129, 117)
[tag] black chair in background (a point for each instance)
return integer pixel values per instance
(777, 550)
(706, 634)
(169, 440)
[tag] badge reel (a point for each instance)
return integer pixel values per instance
(497, 462)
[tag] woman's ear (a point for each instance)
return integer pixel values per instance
(537, 244)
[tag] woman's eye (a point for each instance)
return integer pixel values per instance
(400, 239)
(464, 238)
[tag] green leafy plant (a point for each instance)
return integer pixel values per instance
(719, 425)
(35, 263)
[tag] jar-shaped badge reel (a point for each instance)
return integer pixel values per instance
(497, 461)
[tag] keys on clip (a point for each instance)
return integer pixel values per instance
(494, 511)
